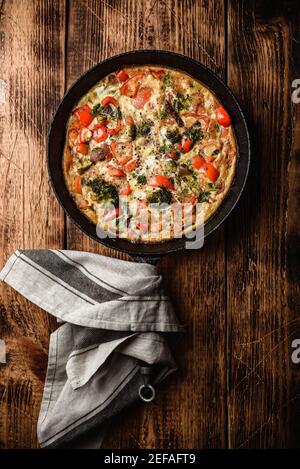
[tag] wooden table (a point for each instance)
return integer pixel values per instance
(239, 295)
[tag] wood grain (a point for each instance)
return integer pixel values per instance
(187, 413)
(263, 233)
(32, 74)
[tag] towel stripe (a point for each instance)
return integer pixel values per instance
(82, 267)
(101, 406)
(69, 274)
(54, 280)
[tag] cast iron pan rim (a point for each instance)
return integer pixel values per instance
(142, 255)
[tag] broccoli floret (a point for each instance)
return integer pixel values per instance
(141, 179)
(160, 196)
(104, 191)
(173, 135)
(194, 132)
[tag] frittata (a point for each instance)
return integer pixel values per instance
(150, 153)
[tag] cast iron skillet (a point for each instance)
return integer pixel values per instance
(56, 138)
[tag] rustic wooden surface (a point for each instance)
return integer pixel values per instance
(239, 295)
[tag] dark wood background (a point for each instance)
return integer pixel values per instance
(239, 296)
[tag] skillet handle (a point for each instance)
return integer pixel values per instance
(147, 259)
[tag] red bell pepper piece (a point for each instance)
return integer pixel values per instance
(161, 181)
(122, 160)
(100, 134)
(186, 144)
(77, 186)
(112, 171)
(197, 161)
(131, 86)
(116, 129)
(211, 172)
(83, 113)
(223, 117)
(130, 166)
(172, 154)
(125, 189)
(129, 120)
(122, 76)
(82, 148)
(142, 97)
(110, 100)
(157, 73)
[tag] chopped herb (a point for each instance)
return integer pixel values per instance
(144, 127)
(165, 147)
(216, 152)
(104, 112)
(84, 182)
(162, 115)
(181, 102)
(211, 185)
(160, 196)
(104, 191)
(141, 179)
(173, 135)
(167, 80)
(203, 196)
(97, 110)
(116, 114)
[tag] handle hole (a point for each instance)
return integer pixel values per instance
(147, 392)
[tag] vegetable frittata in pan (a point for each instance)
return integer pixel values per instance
(150, 153)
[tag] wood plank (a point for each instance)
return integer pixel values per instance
(32, 78)
(263, 233)
(190, 410)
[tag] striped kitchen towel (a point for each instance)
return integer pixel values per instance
(112, 314)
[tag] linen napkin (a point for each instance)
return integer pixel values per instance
(113, 313)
